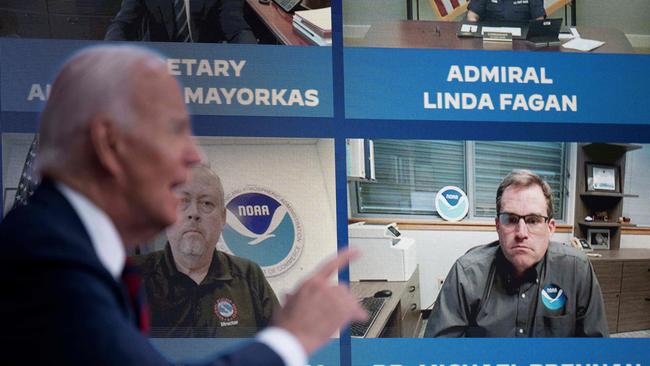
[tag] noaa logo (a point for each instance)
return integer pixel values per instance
(263, 227)
(451, 203)
(225, 309)
(553, 297)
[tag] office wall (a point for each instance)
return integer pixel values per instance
(637, 181)
(635, 241)
(630, 16)
(299, 170)
(368, 11)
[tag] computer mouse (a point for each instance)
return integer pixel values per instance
(383, 293)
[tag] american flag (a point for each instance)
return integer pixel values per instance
(29, 179)
(449, 9)
(552, 6)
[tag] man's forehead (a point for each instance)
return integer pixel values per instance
(201, 181)
(529, 196)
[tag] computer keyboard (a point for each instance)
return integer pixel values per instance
(287, 5)
(372, 306)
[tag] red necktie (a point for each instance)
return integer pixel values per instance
(137, 296)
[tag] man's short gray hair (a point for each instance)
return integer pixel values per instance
(218, 186)
(93, 81)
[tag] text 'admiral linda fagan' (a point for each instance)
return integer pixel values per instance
(535, 102)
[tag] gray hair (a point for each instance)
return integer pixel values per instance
(205, 166)
(526, 178)
(93, 81)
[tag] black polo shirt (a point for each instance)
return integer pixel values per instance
(507, 10)
(233, 300)
(558, 297)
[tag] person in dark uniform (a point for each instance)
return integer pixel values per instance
(195, 290)
(522, 285)
(505, 10)
(211, 21)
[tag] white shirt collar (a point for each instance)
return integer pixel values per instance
(103, 234)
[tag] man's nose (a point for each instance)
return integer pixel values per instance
(522, 228)
(192, 212)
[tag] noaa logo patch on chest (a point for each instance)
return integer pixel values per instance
(553, 297)
(262, 226)
(226, 311)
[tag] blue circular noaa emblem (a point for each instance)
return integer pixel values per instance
(263, 227)
(225, 309)
(451, 203)
(553, 297)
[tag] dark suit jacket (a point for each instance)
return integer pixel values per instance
(153, 20)
(60, 306)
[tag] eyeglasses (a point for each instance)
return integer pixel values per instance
(534, 222)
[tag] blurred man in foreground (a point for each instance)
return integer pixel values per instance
(194, 290)
(522, 285)
(115, 144)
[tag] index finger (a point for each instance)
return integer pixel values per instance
(337, 263)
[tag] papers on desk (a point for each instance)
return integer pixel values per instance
(315, 25)
(584, 45)
(568, 33)
(575, 33)
(514, 31)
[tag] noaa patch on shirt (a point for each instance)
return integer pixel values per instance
(553, 297)
(262, 226)
(226, 311)
(451, 203)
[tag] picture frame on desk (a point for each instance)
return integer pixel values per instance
(603, 178)
(598, 238)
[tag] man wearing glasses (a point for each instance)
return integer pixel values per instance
(522, 285)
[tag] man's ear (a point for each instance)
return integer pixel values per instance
(551, 226)
(223, 218)
(104, 137)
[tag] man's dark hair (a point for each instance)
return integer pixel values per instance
(525, 178)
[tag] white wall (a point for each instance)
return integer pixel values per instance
(635, 241)
(637, 181)
(299, 170)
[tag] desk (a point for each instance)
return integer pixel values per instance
(279, 22)
(400, 316)
(624, 277)
(424, 34)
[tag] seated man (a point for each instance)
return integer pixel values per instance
(522, 285)
(505, 10)
(210, 21)
(195, 290)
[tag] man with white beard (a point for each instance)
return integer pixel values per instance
(195, 290)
